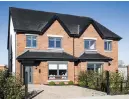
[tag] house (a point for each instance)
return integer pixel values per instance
(123, 70)
(56, 47)
(3, 67)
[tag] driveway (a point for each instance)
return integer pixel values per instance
(63, 92)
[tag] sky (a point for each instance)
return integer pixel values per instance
(113, 15)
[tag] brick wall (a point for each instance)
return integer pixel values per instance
(67, 45)
(91, 32)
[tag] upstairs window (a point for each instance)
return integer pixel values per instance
(54, 42)
(90, 44)
(31, 41)
(107, 45)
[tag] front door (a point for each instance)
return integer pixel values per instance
(29, 70)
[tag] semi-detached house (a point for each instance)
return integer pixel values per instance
(56, 47)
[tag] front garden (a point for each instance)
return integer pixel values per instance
(99, 81)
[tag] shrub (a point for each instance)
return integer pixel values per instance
(82, 83)
(70, 83)
(61, 83)
(88, 78)
(115, 87)
(52, 83)
(11, 87)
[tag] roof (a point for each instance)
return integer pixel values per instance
(25, 20)
(46, 56)
(60, 56)
(94, 57)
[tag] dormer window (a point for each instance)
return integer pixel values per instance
(55, 42)
(90, 44)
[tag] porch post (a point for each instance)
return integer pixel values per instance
(26, 84)
(21, 71)
(108, 83)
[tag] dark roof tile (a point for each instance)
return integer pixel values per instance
(39, 21)
(94, 57)
(35, 55)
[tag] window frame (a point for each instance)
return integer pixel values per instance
(95, 64)
(31, 35)
(109, 49)
(55, 40)
(58, 63)
(89, 40)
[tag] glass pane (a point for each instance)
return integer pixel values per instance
(62, 66)
(63, 74)
(90, 67)
(105, 45)
(28, 41)
(98, 68)
(92, 44)
(34, 43)
(58, 44)
(86, 44)
(52, 72)
(109, 46)
(51, 42)
(34, 37)
(53, 66)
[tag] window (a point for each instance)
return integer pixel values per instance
(97, 67)
(57, 71)
(90, 44)
(31, 41)
(54, 42)
(107, 45)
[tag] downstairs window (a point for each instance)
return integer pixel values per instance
(57, 71)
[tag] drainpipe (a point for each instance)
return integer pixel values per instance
(74, 56)
(78, 29)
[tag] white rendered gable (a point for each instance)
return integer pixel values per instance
(13, 43)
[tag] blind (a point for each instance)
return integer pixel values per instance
(62, 66)
(52, 66)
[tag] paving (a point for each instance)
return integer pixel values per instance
(105, 97)
(64, 92)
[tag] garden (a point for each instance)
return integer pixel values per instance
(114, 83)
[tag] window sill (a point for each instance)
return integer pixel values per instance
(90, 50)
(55, 48)
(30, 47)
(57, 80)
(107, 51)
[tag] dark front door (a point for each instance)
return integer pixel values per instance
(29, 70)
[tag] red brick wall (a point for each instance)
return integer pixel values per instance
(67, 45)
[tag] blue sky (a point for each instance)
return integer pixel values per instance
(113, 15)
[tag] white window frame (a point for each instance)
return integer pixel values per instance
(110, 46)
(101, 68)
(88, 38)
(31, 41)
(55, 43)
(58, 64)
